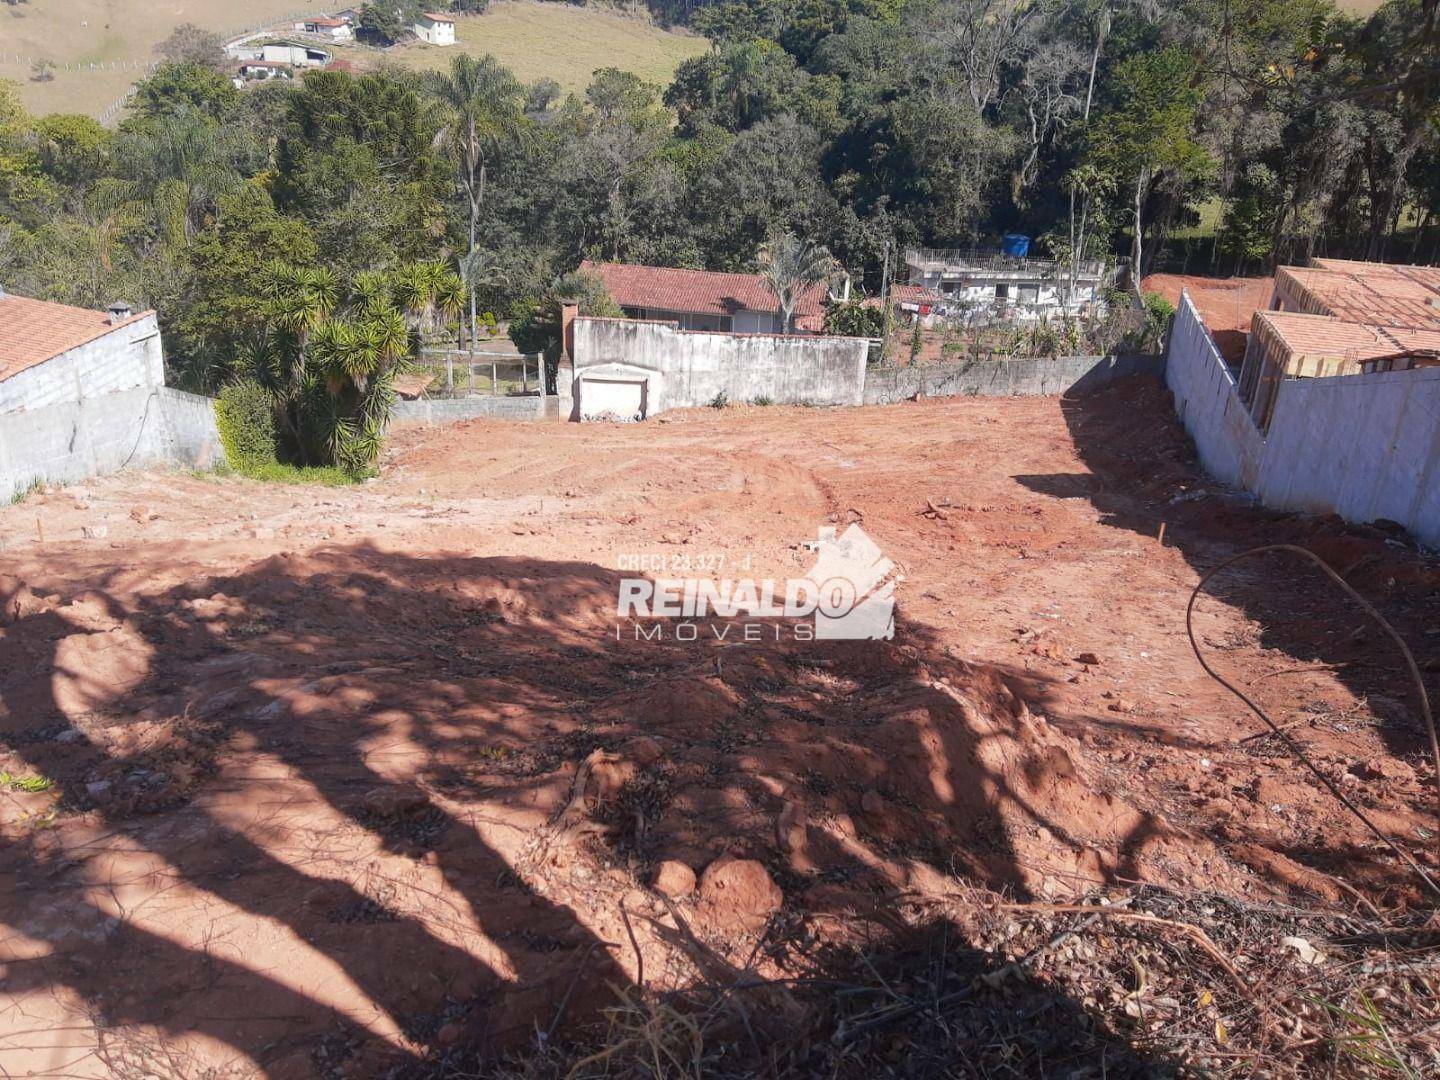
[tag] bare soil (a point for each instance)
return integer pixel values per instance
(1226, 304)
(350, 781)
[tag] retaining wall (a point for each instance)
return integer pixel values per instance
(1207, 400)
(1004, 378)
(1361, 446)
(450, 410)
(696, 367)
(147, 426)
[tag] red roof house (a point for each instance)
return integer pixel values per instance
(704, 299)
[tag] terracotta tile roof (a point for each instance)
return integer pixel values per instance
(702, 292)
(915, 294)
(1321, 335)
(33, 331)
(434, 17)
(1328, 336)
(1377, 294)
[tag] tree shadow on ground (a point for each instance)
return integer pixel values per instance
(303, 816)
(1143, 474)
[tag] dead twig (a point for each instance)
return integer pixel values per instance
(639, 958)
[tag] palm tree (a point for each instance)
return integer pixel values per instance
(792, 267)
(486, 106)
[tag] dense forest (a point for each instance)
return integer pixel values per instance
(1102, 127)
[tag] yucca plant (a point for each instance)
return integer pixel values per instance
(330, 354)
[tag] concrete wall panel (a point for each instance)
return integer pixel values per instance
(451, 410)
(99, 435)
(1361, 446)
(1004, 378)
(696, 367)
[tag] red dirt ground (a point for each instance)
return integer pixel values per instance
(1225, 304)
(343, 777)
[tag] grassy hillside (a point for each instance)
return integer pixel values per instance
(565, 43)
(107, 32)
(535, 39)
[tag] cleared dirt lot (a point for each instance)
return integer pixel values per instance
(349, 777)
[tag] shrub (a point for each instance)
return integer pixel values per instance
(763, 399)
(852, 319)
(1158, 310)
(245, 417)
(720, 400)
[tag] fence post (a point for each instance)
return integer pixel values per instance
(450, 374)
(494, 378)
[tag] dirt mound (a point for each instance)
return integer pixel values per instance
(861, 768)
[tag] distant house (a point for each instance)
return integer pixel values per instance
(981, 284)
(54, 354)
(435, 28)
(704, 299)
(259, 70)
(337, 29)
(295, 53)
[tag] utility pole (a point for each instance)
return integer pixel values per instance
(885, 303)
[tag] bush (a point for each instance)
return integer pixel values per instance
(1158, 310)
(245, 417)
(720, 400)
(852, 319)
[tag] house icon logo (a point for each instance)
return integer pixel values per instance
(855, 587)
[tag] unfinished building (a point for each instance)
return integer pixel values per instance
(1339, 317)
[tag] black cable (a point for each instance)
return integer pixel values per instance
(1290, 743)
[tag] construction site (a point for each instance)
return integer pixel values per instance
(367, 781)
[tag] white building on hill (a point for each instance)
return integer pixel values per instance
(435, 28)
(978, 285)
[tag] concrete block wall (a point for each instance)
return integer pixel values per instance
(696, 366)
(124, 359)
(1207, 400)
(1004, 378)
(132, 428)
(450, 410)
(1361, 446)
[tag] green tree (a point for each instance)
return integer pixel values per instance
(222, 303)
(1148, 134)
(792, 267)
(537, 328)
(184, 86)
(329, 357)
(485, 107)
(74, 150)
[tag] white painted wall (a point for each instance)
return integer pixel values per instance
(788, 369)
(126, 358)
(1208, 401)
(1361, 446)
(435, 33)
